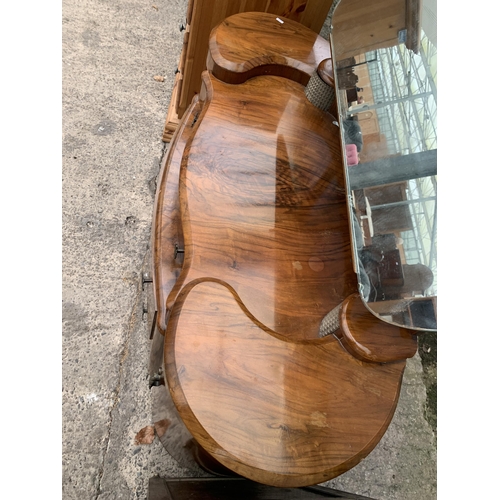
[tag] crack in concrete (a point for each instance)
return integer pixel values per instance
(125, 351)
(132, 322)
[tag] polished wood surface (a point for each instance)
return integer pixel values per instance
(203, 15)
(267, 255)
(253, 190)
(278, 412)
(167, 230)
(358, 26)
(263, 204)
(369, 339)
(252, 44)
(325, 72)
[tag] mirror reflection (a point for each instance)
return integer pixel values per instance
(387, 100)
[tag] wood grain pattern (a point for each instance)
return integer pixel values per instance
(170, 428)
(309, 13)
(278, 412)
(263, 204)
(167, 230)
(172, 120)
(254, 189)
(370, 339)
(360, 26)
(204, 15)
(255, 43)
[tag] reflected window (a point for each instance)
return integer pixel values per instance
(388, 104)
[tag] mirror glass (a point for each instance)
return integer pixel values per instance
(386, 78)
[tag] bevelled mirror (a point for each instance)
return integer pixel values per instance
(386, 76)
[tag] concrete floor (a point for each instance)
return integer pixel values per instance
(113, 117)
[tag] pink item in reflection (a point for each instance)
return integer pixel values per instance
(352, 154)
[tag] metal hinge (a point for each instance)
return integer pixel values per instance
(177, 251)
(146, 278)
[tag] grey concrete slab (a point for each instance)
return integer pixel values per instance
(113, 117)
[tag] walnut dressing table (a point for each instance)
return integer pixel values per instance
(266, 355)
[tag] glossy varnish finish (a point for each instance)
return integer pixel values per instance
(263, 204)
(167, 229)
(277, 412)
(267, 255)
(254, 187)
(370, 339)
(252, 43)
(203, 15)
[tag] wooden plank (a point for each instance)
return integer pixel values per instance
(237, 488)
(189, 11)
(359, 26)
(315, 14)
(172, 120)
(291, 9)
(157, 489)
(206, 15)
